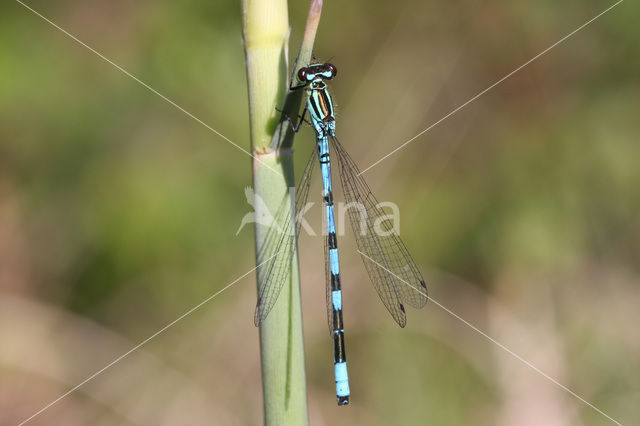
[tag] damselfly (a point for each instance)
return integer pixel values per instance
(392, 271)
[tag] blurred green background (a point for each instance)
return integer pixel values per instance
(118, 213)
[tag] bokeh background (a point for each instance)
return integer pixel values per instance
(118, 213)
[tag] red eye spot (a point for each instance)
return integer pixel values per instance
(302, 74)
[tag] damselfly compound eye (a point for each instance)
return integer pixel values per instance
(302, 74)
(332, 68)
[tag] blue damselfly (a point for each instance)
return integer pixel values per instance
(385, 256)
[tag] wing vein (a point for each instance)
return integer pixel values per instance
(278, 269)
(377, 239)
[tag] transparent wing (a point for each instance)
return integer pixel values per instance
(379, 243)
(278, 269)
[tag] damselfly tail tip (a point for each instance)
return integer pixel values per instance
(343, 400)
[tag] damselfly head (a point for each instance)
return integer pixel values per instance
(315, 72)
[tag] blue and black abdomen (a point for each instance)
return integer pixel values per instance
(336, 323)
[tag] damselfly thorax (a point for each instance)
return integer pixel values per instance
(320, 106)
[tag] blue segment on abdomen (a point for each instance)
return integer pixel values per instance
(342, 379)
(336, 297)
(323, 148)
(326, 178)
(331, 222)
(333, 261)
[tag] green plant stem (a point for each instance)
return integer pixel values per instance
(281, 339)
(283, 135)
